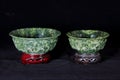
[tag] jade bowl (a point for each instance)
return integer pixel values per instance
(88, 43)
(35, 41)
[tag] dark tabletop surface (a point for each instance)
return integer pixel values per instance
(59, 68)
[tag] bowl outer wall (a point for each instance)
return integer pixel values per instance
(35, 45)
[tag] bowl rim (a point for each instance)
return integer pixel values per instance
(10, 33)
(70, 36)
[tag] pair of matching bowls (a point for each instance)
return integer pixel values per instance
(35, 43)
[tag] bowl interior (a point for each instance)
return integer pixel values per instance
(88, 34)
(35, 33)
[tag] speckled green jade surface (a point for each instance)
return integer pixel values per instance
(87, 41)
(35, 40)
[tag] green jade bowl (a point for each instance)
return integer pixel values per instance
(34, 42)
(88, 43)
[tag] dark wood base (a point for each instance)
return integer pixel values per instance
(86, 58)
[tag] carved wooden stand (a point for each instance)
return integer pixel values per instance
(86, 58)
(34, 58)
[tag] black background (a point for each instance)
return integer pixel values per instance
(63, 15)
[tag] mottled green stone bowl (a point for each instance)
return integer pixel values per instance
(35, 40)
(87, 41)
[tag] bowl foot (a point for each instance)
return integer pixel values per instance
(86, 58)
(34, 58)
